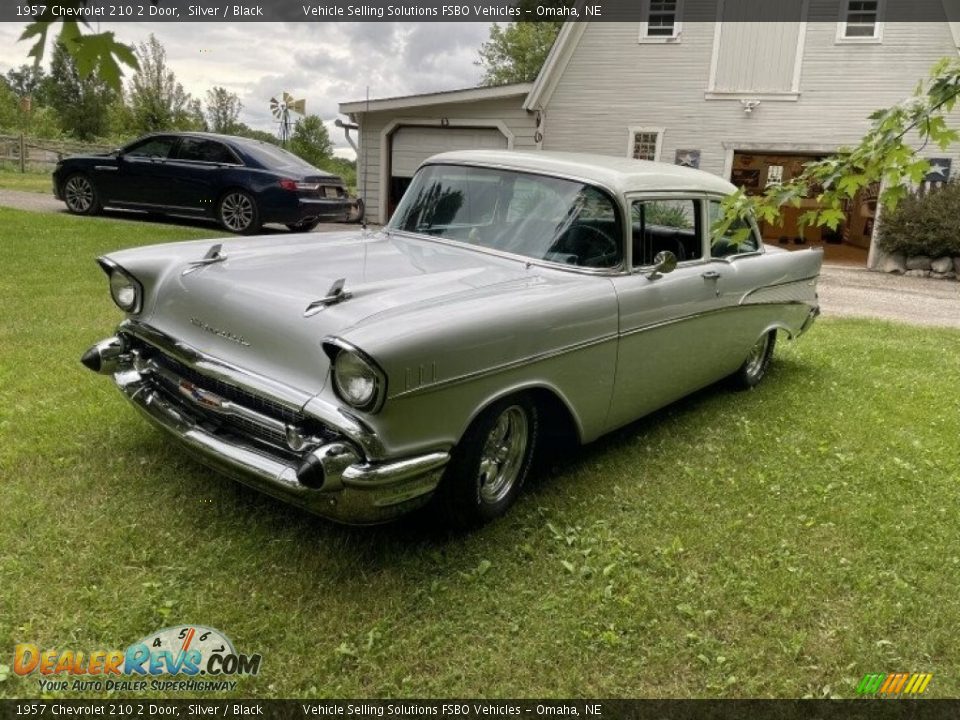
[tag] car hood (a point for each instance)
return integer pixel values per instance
(251, 308)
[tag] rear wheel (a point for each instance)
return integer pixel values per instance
(491, 462)
(81, 196)
(754, 368)
(238, 212)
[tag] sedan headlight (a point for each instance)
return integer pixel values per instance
(126, 292)
(356, 379)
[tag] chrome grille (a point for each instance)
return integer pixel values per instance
(167, 382)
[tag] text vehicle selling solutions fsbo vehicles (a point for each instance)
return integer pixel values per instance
(512, 296)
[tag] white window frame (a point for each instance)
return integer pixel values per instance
(877, 36)
(632, 134)
(660, 39)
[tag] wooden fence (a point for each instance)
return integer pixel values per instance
(25, 152)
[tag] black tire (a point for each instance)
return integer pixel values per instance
(238, 213)
(302, 227)
(81, 196)
(490, 464)
(754, 368)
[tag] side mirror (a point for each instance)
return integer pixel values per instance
(664, 262)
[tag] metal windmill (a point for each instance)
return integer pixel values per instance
(281, 110)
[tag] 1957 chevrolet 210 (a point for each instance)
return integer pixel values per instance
(360, 374)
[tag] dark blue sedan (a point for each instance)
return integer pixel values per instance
(242, 183)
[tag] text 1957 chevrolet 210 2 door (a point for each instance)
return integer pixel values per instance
(512, 296)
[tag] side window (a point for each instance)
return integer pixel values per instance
(204, 150)
(667, 224)
(155, 147)
(739, 239)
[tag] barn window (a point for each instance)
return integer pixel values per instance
(645, 143)
(860, 21)
(661, 20)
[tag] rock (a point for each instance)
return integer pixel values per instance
(956, 265)
(894, 263)
(942, 265)
(917, 273)
(918, 262)
(938, 276)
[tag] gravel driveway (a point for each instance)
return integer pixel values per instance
(844, 291)
(857, 292)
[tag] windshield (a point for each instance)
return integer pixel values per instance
(543, 218)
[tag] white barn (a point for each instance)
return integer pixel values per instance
(693, 83)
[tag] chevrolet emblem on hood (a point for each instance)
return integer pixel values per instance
(239, 339)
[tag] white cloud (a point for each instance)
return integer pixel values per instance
(326, 63)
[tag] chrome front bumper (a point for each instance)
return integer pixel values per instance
(330, 477)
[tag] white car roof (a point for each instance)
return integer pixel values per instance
(620, 174)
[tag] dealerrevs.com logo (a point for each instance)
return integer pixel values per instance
(184, 658)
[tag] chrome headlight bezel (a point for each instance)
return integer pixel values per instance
(120, 281)
(348, 362)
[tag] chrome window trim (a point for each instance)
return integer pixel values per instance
(615, 197)
(670, 195)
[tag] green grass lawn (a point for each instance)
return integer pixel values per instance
(30, 181)
(779, 542)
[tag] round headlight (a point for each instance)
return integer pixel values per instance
(125, 291)
(356, 381)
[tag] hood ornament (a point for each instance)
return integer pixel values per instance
(213, 256)
(335, 294)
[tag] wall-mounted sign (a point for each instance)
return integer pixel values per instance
(939, 171)
(688, 158)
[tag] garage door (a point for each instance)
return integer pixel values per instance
(413, 145)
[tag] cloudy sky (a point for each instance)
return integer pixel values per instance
(326, 63)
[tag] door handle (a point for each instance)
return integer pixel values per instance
(710, 275)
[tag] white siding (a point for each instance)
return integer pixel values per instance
(612, 83)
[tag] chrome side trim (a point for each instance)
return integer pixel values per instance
(539, 357)
(703, 313)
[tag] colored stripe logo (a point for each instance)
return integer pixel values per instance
(894, 683)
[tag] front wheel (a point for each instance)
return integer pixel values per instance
(754, 368)
(81, 196)
(490, 464)
(238, 212)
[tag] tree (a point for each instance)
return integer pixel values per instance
(82, 104)
(311, 141)
(157, 100)
(26, 81)
(882, 156)
(246, 131)
(515, 52)
(95, 53)
(223, 111)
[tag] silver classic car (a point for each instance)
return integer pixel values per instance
(513, 297)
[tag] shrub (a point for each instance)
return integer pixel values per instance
(928, 225)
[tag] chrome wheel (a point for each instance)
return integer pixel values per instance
(78, 194)
(757, 359)
(503, 454)
(237, 212)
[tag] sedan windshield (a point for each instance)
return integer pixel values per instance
(539, 217)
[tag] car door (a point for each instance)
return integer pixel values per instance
(142, 177)
(196, 170)
(667, 337)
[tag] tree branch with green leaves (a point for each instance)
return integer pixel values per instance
(883, 156)
(93, 53)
